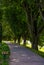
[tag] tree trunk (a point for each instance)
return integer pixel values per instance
(24, 41)
(35, 36)
(19, 39)
(35, 43)
(15, 40)
(32, 14)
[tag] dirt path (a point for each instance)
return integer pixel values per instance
(22, 56)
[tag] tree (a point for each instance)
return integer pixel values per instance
(15, 17)
(32, 12)
(7, 33)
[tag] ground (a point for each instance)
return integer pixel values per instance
(23, 56)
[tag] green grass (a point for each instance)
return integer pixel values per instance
(39, 52)
(40, 49)
(4, 48)
(29, 46)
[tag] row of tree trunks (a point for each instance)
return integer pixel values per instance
(15, 39)
(32, 20)
(32, 15)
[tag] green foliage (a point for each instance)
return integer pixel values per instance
(4, 48)
(16, 17)
(7, 32)
(41, 39)
(1, 12)
(15, 14)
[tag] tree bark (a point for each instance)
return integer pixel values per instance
(32, 20)
(35, 42)
(35, 35)
(15, 40)
(24, 41)
(19, 39)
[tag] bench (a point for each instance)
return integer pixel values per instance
(4, 53)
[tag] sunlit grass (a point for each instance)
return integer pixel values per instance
(39, 52)
(41, 49)
(28, 44)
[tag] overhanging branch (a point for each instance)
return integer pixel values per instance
(41, 14)
(40, 10)
(40, 28)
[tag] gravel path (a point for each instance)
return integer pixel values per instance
(22, 56)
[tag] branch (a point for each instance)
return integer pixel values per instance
(40, 28)
(28, 24)
(40, 5)
(27, 9)
(25, 5)
(41, 14)
(40, 10)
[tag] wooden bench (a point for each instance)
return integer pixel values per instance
(4, 53)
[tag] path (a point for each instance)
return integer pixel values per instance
(22, 56)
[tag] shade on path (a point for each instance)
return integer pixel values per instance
(23, 56)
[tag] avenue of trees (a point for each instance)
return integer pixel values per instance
(22, 18)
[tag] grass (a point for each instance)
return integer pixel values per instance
(4, 48)
(39, 48)
(29, 46)
(39, 52)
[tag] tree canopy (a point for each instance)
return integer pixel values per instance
(26, 19)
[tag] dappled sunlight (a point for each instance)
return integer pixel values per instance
(14, 52)
(16, 46)
(28, 44)
(23, 55)
(41, 49)
(22, 32)
(29, 57)
(22, 42)
(15, 60)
